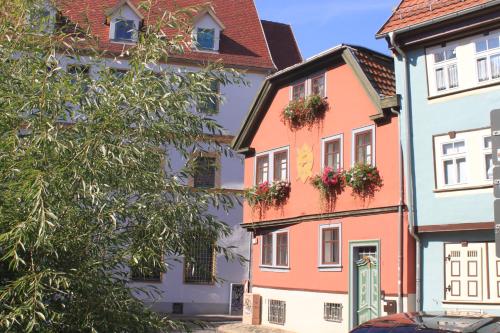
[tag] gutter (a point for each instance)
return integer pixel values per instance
(438, 20)
(409, 167)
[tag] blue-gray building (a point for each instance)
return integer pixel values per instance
(447, 62)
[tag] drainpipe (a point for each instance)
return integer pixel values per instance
(401, 216)
(409, 168)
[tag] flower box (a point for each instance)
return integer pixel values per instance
(268, 194)
(330, 183)
(364, 179)
(305, 111)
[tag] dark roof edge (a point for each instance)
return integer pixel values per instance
(248, 127)
(295, 44)
(473, 9)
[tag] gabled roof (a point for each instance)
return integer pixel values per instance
(413, 13)
(242, 42)
(210, 11)
(282, 44)
(374, 70)
(122, 3)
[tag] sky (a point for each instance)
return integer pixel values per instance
(322, 24)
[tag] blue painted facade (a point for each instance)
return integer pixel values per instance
(461, 111)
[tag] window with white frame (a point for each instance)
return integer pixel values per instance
(488, 158)
(332, 152)
(463, 160)
(330, 242)
(299, 91)
(363, 146)
(272, 166)
(205, 38)
(453, 155)
(446, 68)
(313, 85)
(488, 58)
(274, 249)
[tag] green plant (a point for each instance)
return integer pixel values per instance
(364, 179)
(266, 194)
(305, 111)
(330, 183)
(86, 184)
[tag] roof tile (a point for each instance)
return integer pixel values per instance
(412, 12)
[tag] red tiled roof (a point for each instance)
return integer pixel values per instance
(379, 70)
(242, 42)
(282, 44)
(412, 12)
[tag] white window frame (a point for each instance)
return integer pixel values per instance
(445, 65)
(308, 85)
(270, 155)
(353, 143)
(487, 151)
(329, 267)
(273, 267)
(453, 157)
(339, 137)
(215, 41)
(485, 54)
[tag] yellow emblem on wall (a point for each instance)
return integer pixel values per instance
(305, 161)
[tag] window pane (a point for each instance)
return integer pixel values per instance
(205, 38)
(318, 85)
(448, 172)
(204, 176)
(299, 91)
(489, 166)
(332, 154)
(495, 66)
(482, 69)
(439, 56)
(440, 79)
(364, 148)
(262, 169)
(461, 171)
(459, 147)
(493, 43)
(487, 142)
(481, 46)
(124, 30)
(448, 149)
(267, 249)
(330, 246)
(451, 54)
(201, 269)
(282, 249)
(453, 76)
(281, 166)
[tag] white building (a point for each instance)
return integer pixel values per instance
(230, 31)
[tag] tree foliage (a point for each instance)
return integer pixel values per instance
(87, 187)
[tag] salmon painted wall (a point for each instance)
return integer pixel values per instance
(350, 108)
(304, 255)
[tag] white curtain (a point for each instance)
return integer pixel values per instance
(495, 66)
(453, 76)
(440, 79)
(482, 69)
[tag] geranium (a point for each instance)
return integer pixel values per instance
(330, 183)
(305, 111)
(364, 179)
(266, 194)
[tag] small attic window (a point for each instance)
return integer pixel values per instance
(125, 30)
(205, 39)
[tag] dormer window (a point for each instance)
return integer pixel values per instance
(124, 22)
(205, 39)
(125, 30)
(207, 31)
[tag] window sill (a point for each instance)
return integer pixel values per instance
(275, 269)
(213, 51)
(458, 90)
(471, 302)
(463, 188)
(330, 268)
(124, 41)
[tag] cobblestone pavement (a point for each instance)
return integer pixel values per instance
(242, 328)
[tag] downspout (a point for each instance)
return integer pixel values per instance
(409, 168)
(401, 216)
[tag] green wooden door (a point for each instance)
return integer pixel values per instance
(368, 293)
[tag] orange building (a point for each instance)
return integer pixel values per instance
(325, 204)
